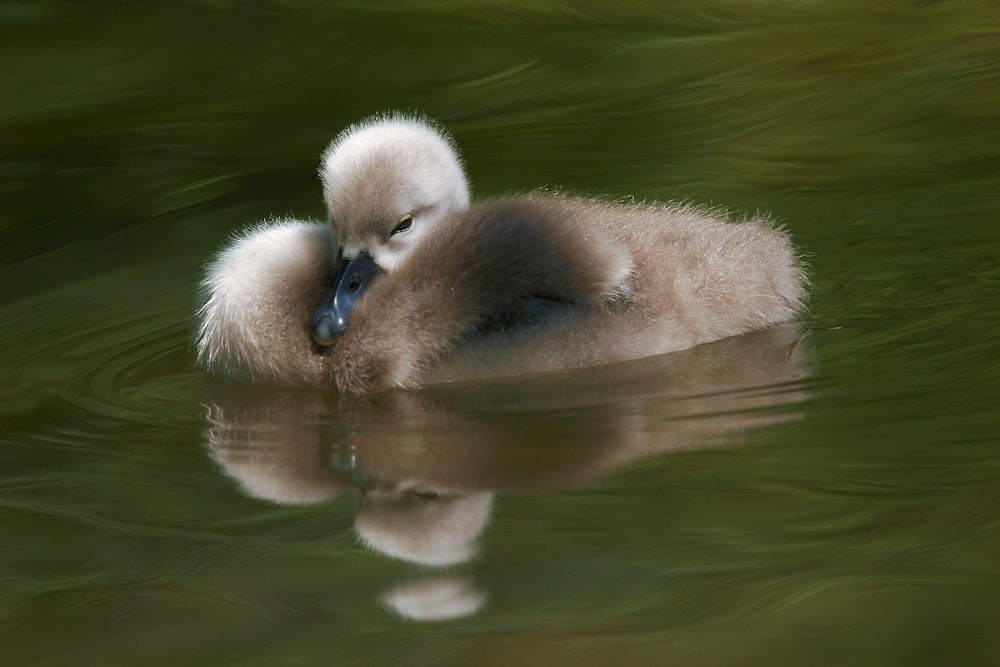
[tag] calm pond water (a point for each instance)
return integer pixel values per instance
(824, 495)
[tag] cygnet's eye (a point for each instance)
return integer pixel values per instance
(404, 224)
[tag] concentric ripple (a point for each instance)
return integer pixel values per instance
(122, 360)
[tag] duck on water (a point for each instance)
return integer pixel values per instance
(411, 284)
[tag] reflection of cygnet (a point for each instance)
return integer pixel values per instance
(437, 599)
(282, 482)
(426, 529)
(273, 456)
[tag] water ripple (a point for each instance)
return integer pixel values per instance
(109, 361)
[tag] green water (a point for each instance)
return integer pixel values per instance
(829, 496)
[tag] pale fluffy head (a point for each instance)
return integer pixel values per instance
(377, 172)
(256, 298)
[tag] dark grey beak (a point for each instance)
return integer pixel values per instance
(329, 321)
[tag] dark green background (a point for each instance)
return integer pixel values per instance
(859, 525)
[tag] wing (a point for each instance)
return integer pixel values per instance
(500, 266)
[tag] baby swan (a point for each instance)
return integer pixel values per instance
(409, 284)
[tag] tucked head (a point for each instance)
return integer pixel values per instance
(387, 181)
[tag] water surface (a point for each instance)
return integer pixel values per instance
(823, 494)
